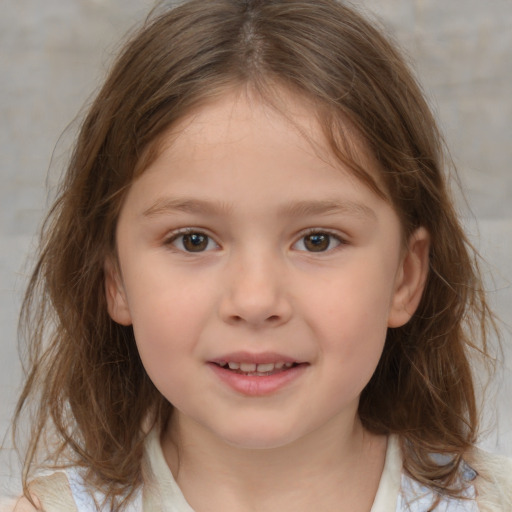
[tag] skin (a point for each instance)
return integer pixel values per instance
(243, 181)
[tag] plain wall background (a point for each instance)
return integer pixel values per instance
(53, 54)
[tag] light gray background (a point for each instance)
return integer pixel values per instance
(53, 54)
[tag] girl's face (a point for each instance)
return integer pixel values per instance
(259, 275)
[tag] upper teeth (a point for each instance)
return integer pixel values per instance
(253, 367)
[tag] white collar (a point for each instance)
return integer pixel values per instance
(396, 492)
(390, 480)
(172, 499)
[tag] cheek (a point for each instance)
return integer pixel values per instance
(350, 315)
(166, 334)
(357, 297)
(167, 318)
(159, 295)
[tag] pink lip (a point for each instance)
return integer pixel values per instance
(248, 357)
(253, 385)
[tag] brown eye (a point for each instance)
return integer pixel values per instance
(318, 241)
(193, 242)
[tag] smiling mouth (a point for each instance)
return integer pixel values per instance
(256, 370)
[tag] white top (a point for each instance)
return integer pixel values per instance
(396, 492)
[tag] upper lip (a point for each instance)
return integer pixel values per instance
(256, 358)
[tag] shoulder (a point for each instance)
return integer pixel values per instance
(50, 493)
(494, 481)
(66, 491)
(488, 487)
(17, 505)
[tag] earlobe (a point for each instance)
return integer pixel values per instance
(411, 279)
(115, 294)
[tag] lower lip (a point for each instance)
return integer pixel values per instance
(252, 385)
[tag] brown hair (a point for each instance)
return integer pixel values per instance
(85, 377)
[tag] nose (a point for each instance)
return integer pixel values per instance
(256, 292)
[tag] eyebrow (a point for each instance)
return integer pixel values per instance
(328, 207)
(187, 205)
(294, 209)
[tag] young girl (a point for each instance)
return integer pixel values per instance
(253, 293)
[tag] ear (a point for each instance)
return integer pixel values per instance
(411, 278)
(115, 294)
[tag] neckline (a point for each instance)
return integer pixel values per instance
(166, 491)
(390, 481)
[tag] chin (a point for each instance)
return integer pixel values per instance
(260, 438)
(258, 443)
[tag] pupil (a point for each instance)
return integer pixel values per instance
(318, 242)
(195, 242)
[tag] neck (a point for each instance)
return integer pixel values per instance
(339, 466)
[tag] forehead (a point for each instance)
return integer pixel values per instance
(243, 159)
(242, 113)
(242, 116)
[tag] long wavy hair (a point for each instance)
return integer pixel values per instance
(90, 400)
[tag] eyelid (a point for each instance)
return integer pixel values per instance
(340, 238)
(328, 231)
(174, 235)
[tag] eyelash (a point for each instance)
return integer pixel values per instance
(322, 232)
(316, 231)
(188, 232)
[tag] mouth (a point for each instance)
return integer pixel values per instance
(257, 374)
(256, 369)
